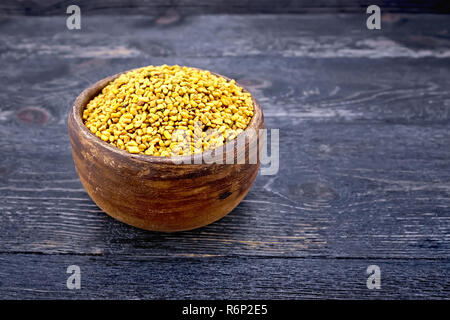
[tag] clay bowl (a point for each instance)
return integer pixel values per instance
(154, 193)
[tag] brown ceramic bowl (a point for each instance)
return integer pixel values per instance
(154, 193)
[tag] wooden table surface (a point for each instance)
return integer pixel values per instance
(364, 175)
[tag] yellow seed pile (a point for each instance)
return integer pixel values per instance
(169, 110)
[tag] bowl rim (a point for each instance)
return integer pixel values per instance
(257, 122)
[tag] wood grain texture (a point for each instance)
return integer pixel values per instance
(364, 159)
(229, 36)
(164, 7)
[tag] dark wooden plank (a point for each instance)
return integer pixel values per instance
(135, 277)
(332, 198)
(34, 7)
(287, 36)
(351, 183)
(364, 173)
